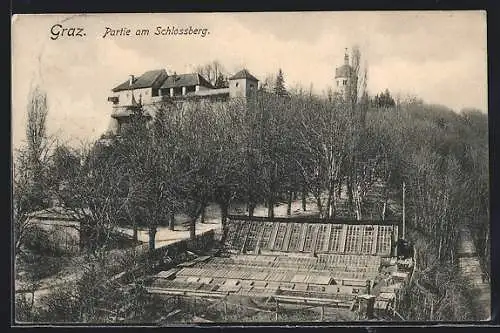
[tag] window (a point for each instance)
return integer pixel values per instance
(384, 237)
(321, 237)
(367, 240)
(252, 237)
(280, 237)
(345, 82)
(352, 240)
(232, 232)
(309, 238)
(266, 236)
(241, 235)
(237, 84)
(251, 86)
(295, 237)
(334, 245)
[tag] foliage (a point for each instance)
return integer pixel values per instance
(215, 73)
(30, 178)
(279, 86)
(383, 100)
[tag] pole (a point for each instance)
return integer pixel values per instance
(322, 313)
(432, 309)
(225, 310)
(395, 304)
(277, 309)
(404, 221)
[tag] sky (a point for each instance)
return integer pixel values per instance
(439, 56)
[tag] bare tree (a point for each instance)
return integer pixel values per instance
(30, 166)
(214, 72)
(357, 104)
(324, 135)
(151, 159)
(268, 83)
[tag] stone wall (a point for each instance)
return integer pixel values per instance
(199, 245)
(168, 256)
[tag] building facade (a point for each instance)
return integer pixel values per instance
(344, 77)
(156, 87)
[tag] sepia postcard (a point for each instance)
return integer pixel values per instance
(239, 168)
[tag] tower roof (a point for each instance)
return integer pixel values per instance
(343, 71)
(243, 74)
(150, 79)
(181, 80)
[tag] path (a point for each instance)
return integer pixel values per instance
(470, 268)
(165, 236)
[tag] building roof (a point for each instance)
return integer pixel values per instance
(243, 74)
(160, 79)
(343, 71)
(184, 80)
(150, 79)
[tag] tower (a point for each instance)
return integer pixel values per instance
(242, 84)
(121, 113)
(343, 77)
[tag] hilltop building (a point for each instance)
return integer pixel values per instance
(157, 87)
(343, 77)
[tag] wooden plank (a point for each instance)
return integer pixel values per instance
(303, 237)
(343, 236)
(315, 237)
(358, 235)
(326, 245)
(169, 273)
(273, 235)
(375, 236)
(173, 313)
(259, 239)
(245, 238)
(288, 233)
(197, 319)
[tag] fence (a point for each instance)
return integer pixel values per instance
(248, 309)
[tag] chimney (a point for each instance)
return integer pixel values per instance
(131, 79)
(346, 58)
